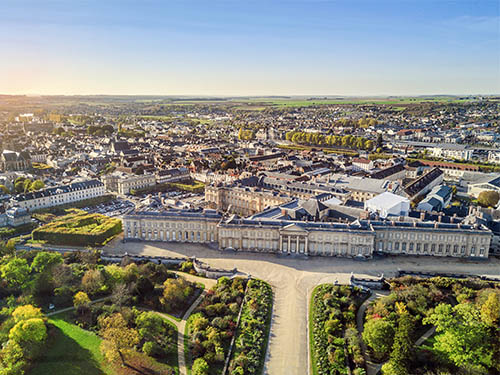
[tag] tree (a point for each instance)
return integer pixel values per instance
(121, 294)
(26, 185)
(45, 261)
(81, 299)
(92, 281)
(200, 367)
(490, 310)
(378, 335)
(463, 337)
(380, 141)
(15, 272)
(175, 292)
(4, 189)
(19, 186)
(488, 198)
(26, 312)
(118, 338)
(37, 185)
(402, 352)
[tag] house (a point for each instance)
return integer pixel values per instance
(424, 183)
(59, 195)
(438, 198)
(362, 164)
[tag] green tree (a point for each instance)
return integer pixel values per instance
(463, 337)
(37, 185)
(15, 272)
(26, 185)
(402, 349)
(19, 186)
(200, 367)
(45, 261)
(378, 335)
(81, 299)
(490, 310)
(26, 312)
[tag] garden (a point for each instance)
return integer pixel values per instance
(465, 314)
(74, 313)
(334, 342)
(211, 327)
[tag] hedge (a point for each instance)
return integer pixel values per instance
(79, 228)
(7, 232)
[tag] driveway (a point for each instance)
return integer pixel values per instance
(293, 280)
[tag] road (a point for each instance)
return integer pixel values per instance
(293, 280)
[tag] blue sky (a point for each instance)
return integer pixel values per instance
(210, 47)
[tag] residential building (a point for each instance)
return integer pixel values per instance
(123, 183)
(59, 195)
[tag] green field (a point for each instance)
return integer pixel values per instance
(74, 351)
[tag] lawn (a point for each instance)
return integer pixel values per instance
(73, 351)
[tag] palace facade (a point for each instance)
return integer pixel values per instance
(359, 239)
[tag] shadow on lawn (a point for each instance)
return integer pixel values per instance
(65, 357)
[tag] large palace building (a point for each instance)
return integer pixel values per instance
(285, 235)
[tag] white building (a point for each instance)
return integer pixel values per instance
(59, 195)
(452, 151)
(123, 183)
(494, 157)
(388, 204)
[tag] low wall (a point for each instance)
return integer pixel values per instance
(212, 273)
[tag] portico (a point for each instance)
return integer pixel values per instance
(294, 239)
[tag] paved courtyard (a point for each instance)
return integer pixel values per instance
(293, 280)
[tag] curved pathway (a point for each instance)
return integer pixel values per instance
(372, 368)
(181, 325)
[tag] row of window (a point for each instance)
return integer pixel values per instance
(433, 237)
(428, 248)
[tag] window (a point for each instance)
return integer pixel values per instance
(411, 246)
(426, 247)
(418, 247)
(440, 248)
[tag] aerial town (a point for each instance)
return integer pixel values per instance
(153, 199)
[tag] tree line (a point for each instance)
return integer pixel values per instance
(318, 139)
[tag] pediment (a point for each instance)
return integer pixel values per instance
(293, 228)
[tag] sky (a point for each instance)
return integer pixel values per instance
(270, 47)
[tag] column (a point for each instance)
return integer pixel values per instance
(289, 242)
(297, 248)
(281, 243)
(306, 249)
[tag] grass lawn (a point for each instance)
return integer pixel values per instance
(72, 351)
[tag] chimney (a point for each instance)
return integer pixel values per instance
(422, 215)
(439, 218)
